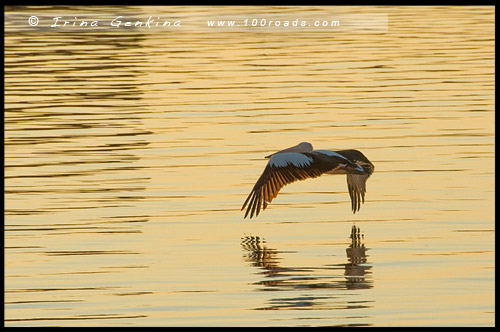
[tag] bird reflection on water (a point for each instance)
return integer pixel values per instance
(314, 283)
(357, 269)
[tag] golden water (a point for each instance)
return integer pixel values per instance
(128, 154)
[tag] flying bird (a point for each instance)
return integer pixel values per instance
(301, 162)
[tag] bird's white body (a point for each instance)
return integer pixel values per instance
(296, 159)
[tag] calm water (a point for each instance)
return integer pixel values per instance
(129, 152)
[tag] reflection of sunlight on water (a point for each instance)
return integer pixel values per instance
(118, 146)
(320, 287)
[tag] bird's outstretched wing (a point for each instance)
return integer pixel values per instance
(285, 168)
(356, 183)
(357, 187)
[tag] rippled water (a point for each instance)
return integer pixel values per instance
(128, 155)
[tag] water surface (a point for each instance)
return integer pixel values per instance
(128, 154)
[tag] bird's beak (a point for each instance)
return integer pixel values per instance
(294, 148)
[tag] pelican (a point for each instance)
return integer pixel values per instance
(301, 162)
